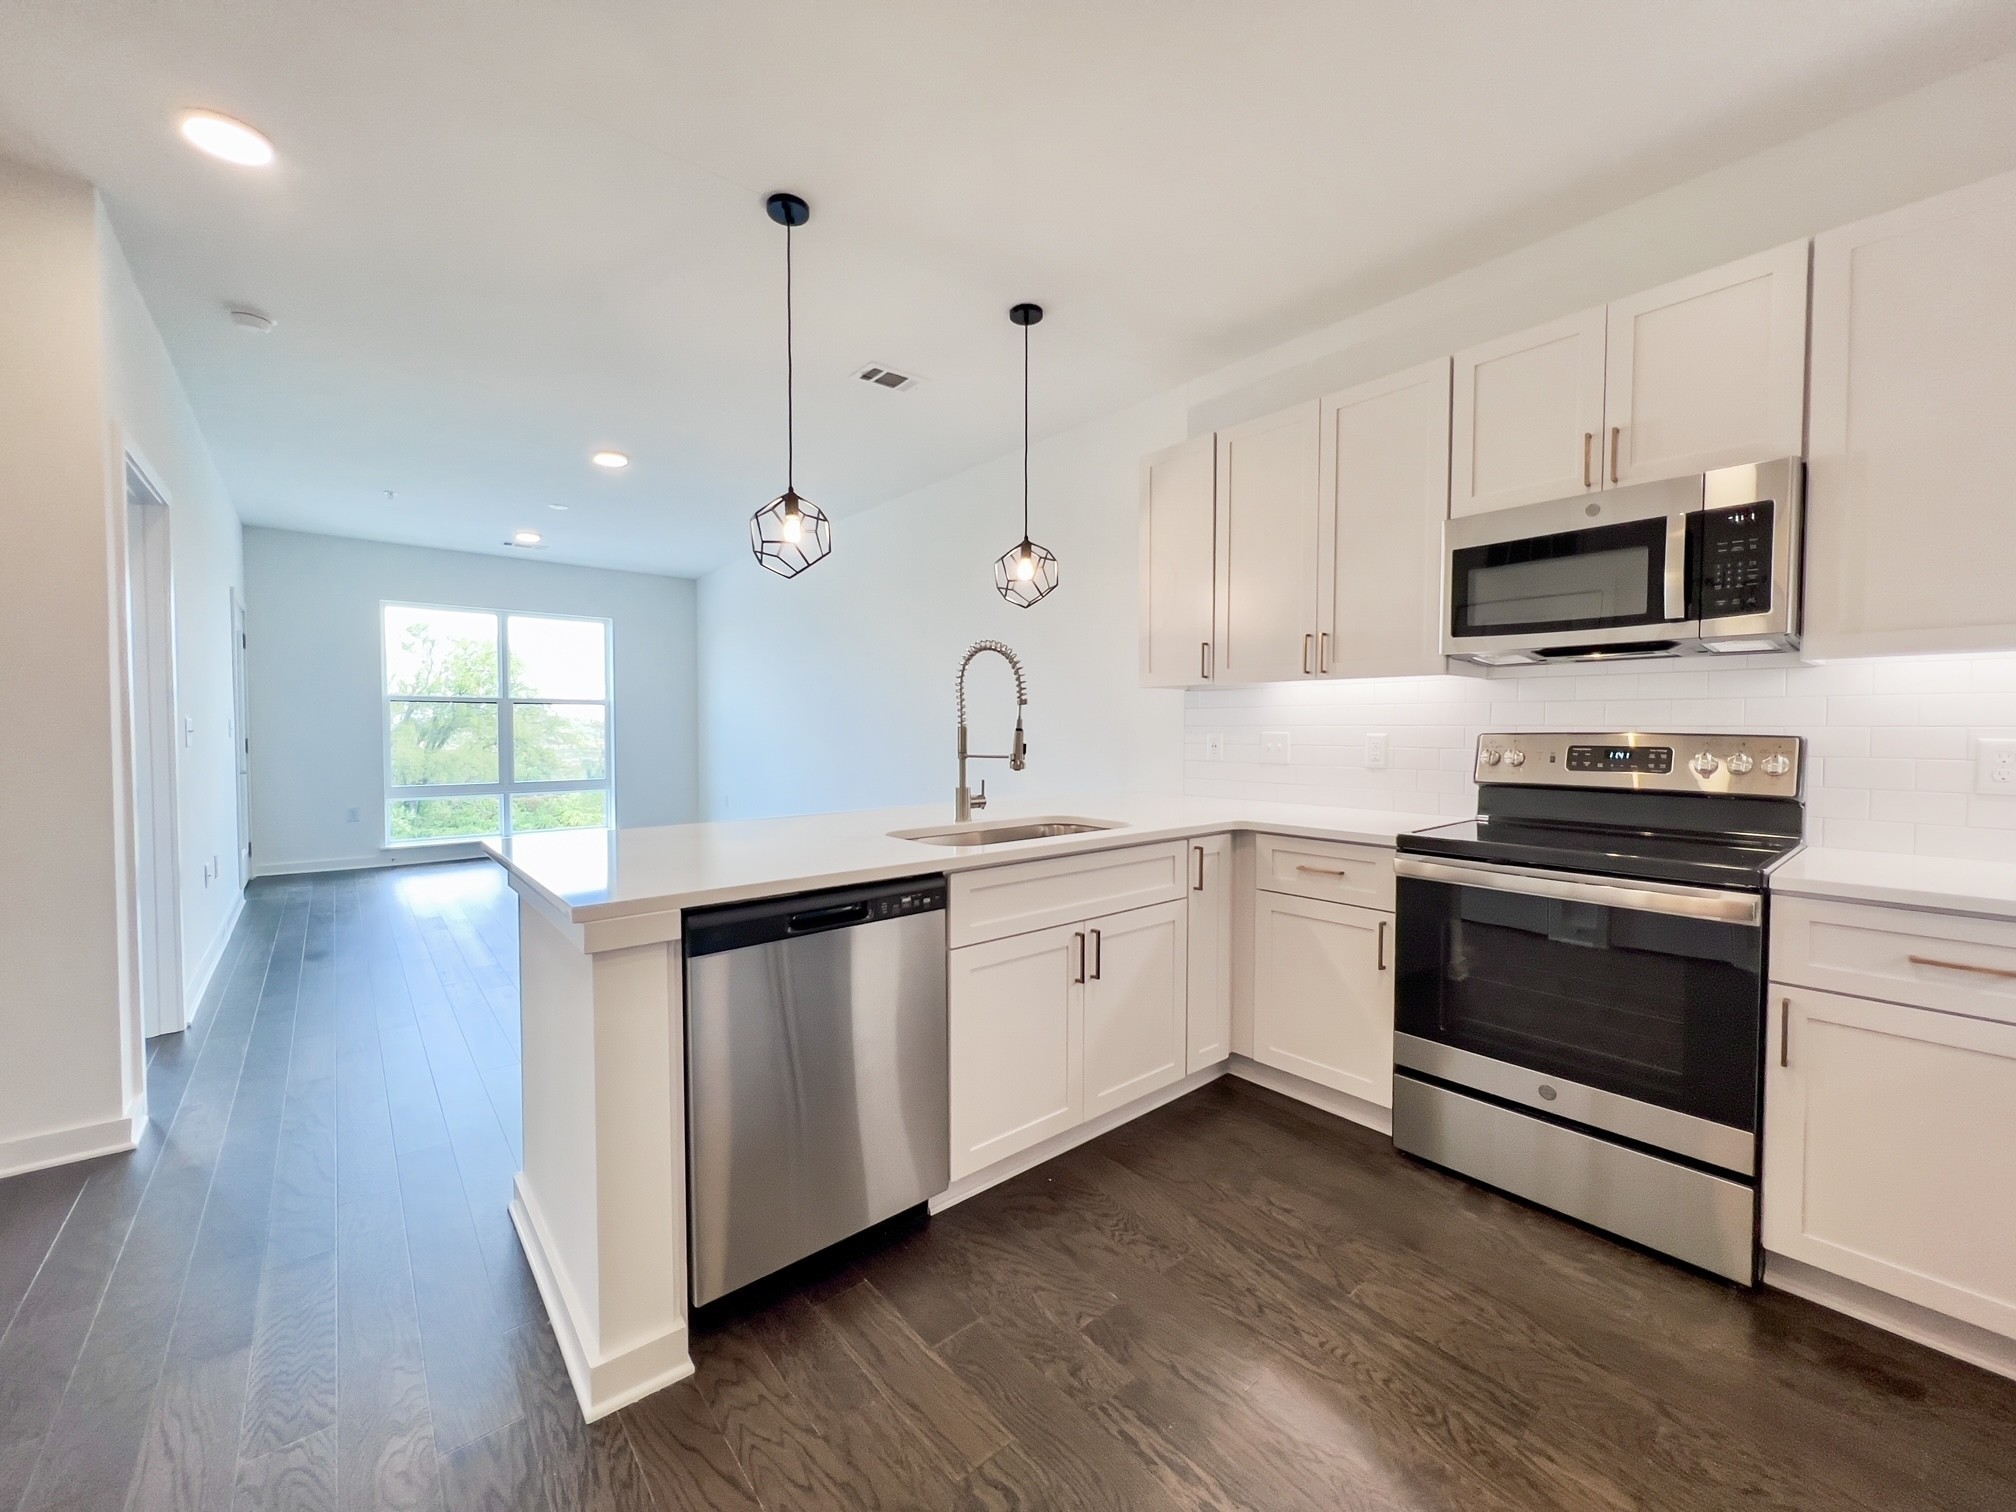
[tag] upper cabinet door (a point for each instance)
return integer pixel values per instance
(1267, 548)
(1385, 494)
(1178, 498)
(1528, 416)
(1709, 371)
(1908, 539)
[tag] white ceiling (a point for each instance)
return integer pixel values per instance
(501, 235)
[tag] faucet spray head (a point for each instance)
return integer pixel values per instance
(1018, 756)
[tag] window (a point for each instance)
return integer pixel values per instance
(495, 724)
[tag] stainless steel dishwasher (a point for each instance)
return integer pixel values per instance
(816, 1073)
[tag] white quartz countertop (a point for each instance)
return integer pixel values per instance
(1943, 883)
(594, 875)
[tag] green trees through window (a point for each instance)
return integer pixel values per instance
(495, 724)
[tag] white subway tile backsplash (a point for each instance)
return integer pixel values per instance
(1891, 741)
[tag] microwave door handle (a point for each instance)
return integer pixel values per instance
(1676, 567)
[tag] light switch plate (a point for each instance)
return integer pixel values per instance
(1375, 751)
(1274, 747)
(1995, 767)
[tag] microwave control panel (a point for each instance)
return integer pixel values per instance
(1736, 561)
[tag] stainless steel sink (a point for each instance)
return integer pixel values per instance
(1005, 831)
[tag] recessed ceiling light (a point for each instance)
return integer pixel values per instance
(561, 507)
(526, 538)
(222, 137)
(610, 459)
(249, 319)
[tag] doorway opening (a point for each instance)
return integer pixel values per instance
(152, 719)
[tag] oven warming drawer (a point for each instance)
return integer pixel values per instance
(1707, 1221)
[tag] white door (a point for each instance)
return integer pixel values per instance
(1015, 1034)
(1323, 994)
(153, 731)
(1178, 541)
(1709, 371)
(1528, 416)
(1136, 988)
(1890, 1150)
(1267, 548)
(1209, 1009)
(1908, 539)
(1385, 494)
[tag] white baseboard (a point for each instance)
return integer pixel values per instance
(111, 1136)
(418, 855)
(1921, 1325)
(213, 957)
(1343, 1104)
(606, 1384)
(1070, 1139)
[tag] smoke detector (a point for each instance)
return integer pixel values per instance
(887, 378)
(248, 319)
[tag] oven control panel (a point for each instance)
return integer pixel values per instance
(1765, 766)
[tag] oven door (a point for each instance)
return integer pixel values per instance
(1635, 1008)
(1596, 574)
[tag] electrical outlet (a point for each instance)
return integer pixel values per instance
(1214, 745)
(1375, 751)
(1274, 747)
(352, 816)
(1995, 767)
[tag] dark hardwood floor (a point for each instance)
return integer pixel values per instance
(302, 1291)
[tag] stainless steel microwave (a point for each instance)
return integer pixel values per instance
(1683, 566)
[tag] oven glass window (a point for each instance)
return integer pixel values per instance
(1602, 578)
(1649, 1006)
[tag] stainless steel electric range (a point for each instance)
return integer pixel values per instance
(1581, 981)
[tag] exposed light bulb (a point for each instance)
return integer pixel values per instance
(1025, 567)
(794, 526)
(222, 137)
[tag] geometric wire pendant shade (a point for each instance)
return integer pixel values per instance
(790, 533)
(1025, 574)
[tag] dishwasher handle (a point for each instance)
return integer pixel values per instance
(839, 916)
(801, 916)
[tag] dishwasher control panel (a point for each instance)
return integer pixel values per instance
(734, 926)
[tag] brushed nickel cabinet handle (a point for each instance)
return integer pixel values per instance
(1204, 660)
(1616, 435)
(1200, 867)
(1323, 652)
(1321, 871)
(1078, 941)
(1098, 955)
(1987, 971)
(1308, 654)
(1785, 1031)
(1588, 451)
(1382, 944)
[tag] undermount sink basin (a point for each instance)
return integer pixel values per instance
(1005, 831)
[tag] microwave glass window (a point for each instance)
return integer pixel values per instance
(1603, 587)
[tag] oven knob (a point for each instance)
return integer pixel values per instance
(1490, 757)
(1704, 765)
(1778, 765)
(1515, 758)
(1740, 763)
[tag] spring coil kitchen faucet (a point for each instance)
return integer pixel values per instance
(965, 800)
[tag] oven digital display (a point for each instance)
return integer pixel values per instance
(1590, 758)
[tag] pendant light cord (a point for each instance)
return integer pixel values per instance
(791, 376)
(1025, 433)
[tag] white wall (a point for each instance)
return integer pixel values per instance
(69, 1075)
(833, 691)
(152, 419)
(316, 710)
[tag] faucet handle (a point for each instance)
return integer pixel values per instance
(980, 798)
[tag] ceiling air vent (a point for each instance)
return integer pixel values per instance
(887, 378)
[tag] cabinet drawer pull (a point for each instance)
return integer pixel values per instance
(1098, 955)
(1785, 1031)
(1078, 941)
(1199, 884)
(1588, 450)
(1616, 434)
(1987, 971)
(1321, 871)
(1308, 654)
(1382, 944)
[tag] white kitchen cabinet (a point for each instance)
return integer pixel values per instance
(1178, 543)
(1709, 371)
(1266, 548)
(1384, 493)
(1911, 451)
(1323, 993)
(1134, 1015)
(1890, 1150)
(1016, 1036)
(1208, 1033)
(1528, 416)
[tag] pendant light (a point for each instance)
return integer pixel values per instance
(789, 533)
(1027, 572)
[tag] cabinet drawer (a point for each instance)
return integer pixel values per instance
(993, 902)
(1326, 869)
(1928, 960)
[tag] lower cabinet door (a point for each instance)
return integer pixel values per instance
(1210, 1007)
(1323, 993)
(1890, 1150)
(1136, 992)
(1016, 1010)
